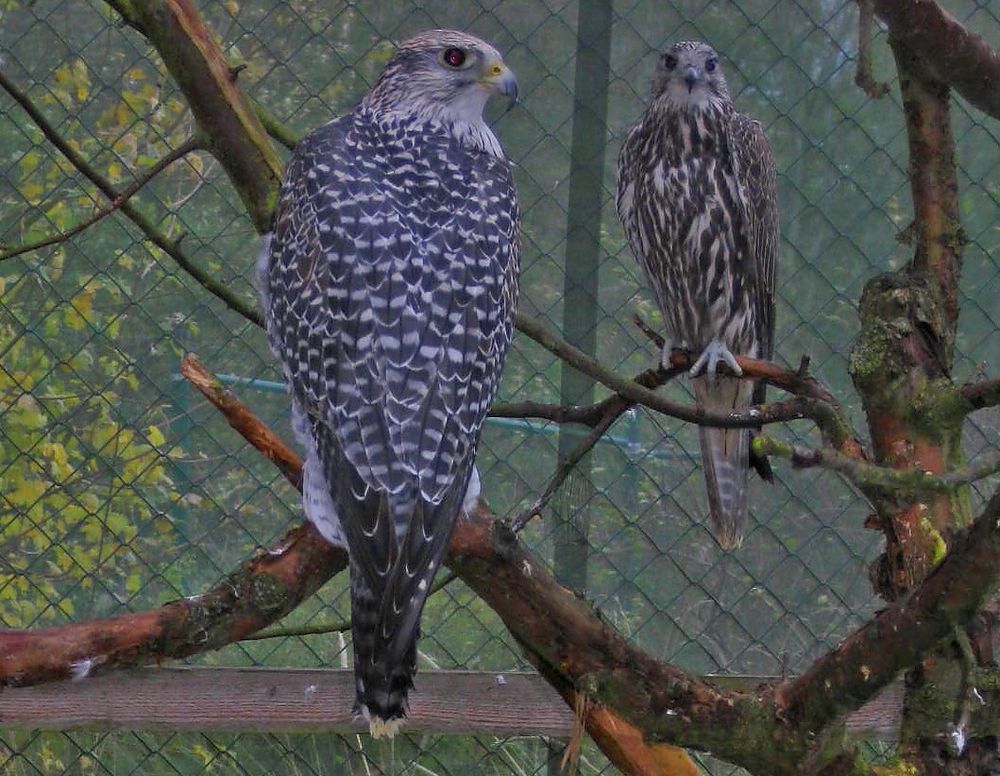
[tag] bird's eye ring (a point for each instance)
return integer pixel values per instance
(453, 57)
(710, 65)
(669, 61)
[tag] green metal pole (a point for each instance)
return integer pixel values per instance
(571, 516)
(583, 250)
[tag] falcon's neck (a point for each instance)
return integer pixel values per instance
(689, 127)
(463, 122)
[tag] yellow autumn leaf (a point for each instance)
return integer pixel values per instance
(155, 436)
(84, 303)
(81, 80)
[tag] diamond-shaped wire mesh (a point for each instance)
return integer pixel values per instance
(122, 489)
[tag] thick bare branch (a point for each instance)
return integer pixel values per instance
(261, 591)
(949, 53)
(899, 636)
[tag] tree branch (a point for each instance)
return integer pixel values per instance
(949, 53)
(189, 145)
(864, 77)
(613, 412)
(898, 637)
(982, 394)
(158, 238)
(561, 634)
(230, 124)
(828, 417)
(867, 476)
(798, 383)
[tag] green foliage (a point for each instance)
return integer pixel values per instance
(76, 479)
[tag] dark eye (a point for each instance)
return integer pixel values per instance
(669, 61)
(710, 65)
(454, 57)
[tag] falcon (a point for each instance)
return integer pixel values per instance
(698, 203)
(389, 284)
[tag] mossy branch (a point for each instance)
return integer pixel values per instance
(869, 476)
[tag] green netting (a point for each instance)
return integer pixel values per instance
(122, 489)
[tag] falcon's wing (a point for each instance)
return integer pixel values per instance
(391, 287)
(756, 173)
(625, 191)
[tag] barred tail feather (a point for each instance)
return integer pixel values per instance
(725, 455)
(388, 595)
(382, 684)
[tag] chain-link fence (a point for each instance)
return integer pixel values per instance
(122, 489)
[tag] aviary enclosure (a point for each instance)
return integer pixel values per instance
(148, 509)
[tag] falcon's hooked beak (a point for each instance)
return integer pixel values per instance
(500, 79)
(691, 77)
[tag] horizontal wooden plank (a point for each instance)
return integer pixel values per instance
(215, 699)
(282, 700)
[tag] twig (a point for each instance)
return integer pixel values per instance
(272, 125)
(158, 238)
(331, 627)
(613, 412)
(243, 420)
(827, 415)
(983, 394)
(557, 413)
(651, 334)
(189, 145)
(585, 414)
(864, 77)
(866, 475)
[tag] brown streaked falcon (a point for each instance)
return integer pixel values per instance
(698, 202)
(389, 285)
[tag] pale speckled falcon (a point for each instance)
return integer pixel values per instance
(389, 286)
(697, 198)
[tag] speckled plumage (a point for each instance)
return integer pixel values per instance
(697, 199)
(389, 286)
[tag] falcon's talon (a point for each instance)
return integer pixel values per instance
(708, 361)
(666, 353)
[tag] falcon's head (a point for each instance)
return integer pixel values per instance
(442, 75)
(688, 75)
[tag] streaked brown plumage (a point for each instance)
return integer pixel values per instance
(697, 199)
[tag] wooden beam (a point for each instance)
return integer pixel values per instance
(265, 700)
(271, 700)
